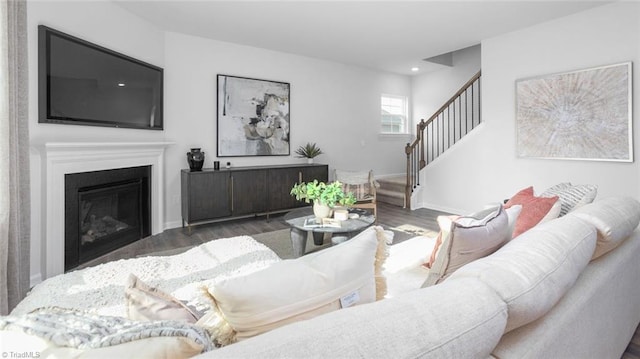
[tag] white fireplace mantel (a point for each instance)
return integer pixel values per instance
(61, 158)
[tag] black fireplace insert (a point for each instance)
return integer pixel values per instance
(105, 210)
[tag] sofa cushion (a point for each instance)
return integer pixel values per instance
(594, 319)
(302, 288)
(533, 271)
(615, 218)
(534, 210)
(571, 196)
(463, 239)
(451, 320)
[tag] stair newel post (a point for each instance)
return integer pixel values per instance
(408, 185)
(421, 126)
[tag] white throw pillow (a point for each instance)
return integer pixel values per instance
(465, 239)
(148, 303)
(302, 288)
(513, 213)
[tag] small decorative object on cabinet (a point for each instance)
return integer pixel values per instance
(195, 158)
(308, 151)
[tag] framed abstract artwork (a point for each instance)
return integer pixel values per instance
(579, 115)
(253, 117)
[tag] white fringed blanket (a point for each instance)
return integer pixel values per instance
(100, 289)
(74, 329)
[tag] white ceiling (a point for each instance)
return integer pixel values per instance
(384, 35)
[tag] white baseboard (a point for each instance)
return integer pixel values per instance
(35, 279)
(172, 225)
(389, 175)
(439, 208)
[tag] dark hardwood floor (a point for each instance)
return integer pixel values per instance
(389, 216)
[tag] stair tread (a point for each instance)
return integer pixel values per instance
(393, 180)
(383, 192)
(396, 201)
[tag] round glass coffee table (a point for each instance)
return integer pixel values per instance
(299, 231)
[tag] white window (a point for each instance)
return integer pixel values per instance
(394, 114)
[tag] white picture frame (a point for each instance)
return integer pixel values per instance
(578, 115)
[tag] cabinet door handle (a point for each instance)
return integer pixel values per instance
(231, 185)
(299, 176)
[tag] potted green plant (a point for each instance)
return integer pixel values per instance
(308, 151)
(325, 196)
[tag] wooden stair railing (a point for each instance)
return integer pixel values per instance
(457, 117)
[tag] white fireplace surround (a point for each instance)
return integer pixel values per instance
(61, 158)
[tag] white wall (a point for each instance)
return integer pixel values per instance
(332, 104)
(336, 106)
(485, 168)
(107, 25)
(431, 90)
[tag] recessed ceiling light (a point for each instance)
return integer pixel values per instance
(415, 69)
(121, 84)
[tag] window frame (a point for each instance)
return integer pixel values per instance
(405, 115)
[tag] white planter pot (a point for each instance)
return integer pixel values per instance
(321, 210)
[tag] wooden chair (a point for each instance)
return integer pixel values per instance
(362, 185)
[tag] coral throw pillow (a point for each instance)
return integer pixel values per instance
(534, 209)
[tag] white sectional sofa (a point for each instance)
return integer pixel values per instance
(541, 295)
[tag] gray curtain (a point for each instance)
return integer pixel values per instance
(14, 156)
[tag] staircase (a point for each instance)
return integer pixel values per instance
(456, 118)
(391, 190)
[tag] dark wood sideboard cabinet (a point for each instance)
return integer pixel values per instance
(210, 194)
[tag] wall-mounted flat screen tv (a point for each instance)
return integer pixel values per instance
(81, 83)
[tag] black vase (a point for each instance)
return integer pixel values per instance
(195, 158)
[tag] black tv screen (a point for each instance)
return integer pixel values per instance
(85, 84)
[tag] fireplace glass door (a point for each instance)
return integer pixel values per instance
(112, 211)
(104, 211)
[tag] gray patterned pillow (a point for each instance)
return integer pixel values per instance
(572, 196)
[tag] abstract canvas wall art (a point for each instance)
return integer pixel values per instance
(580, 115)
(253, 117)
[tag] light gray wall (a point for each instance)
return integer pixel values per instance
(431, 90)
(485, 168)
(337, 106)
(332, 104)
(107, 25)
